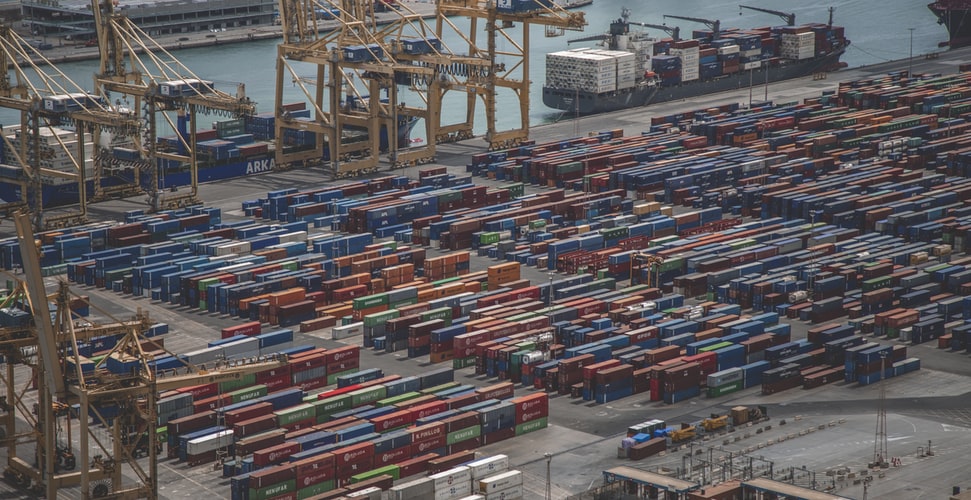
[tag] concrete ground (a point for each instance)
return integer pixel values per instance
(829, 431)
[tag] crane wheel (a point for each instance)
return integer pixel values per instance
(70, 462)
(99, 491)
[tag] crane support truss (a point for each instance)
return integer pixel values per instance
(363, 73)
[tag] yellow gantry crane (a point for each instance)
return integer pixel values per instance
(107, 455)
(59, 129)
(380, 76)
(136, 66)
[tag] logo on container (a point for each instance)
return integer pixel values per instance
(527, 416)
(259, 166)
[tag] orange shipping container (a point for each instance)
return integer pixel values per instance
(287, 297)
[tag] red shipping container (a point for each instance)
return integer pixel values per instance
(392, 456)
(303, 424)
(272, 475)
(428, 431)
(414, 466)
(254, 425)
(344, 472)
(200, 392)
(251, 411)
(428, 445)
(392, 420)
(500, 435)
(317, 383)
(313, 470)
(462, 421)
(341, 366)
(531, 407)
(462, 401)
(468, 444)
(449, 461)
(342, 354)
(249, 445)
(354, 453)
(280, 382)
(275, 454)
(263, 376)
(308, 362)
(249, 329)
(504, 390)
(431, 408)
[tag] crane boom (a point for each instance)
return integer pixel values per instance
(39, 306)
(674, 31)
(789, 18)
(712, 25)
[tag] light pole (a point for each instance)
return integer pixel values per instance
(910, 62)
(549, 487)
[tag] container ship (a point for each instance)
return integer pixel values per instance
(955, 15)
(230, 149)
(631, 69)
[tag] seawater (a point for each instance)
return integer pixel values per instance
(879, 31)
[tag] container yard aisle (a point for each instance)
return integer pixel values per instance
(828, 429)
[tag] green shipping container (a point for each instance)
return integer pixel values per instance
(257, 391)
(532, 425)
(488, 238)
(378, 299)
(243, 381)
(297, 413)
(289, 266)
(459, 363)
(405, 302)
(368, 395)
(442, 313)
(329, 406)
(317, 489)
(537, 224)
(516, 190)
(203, 284)
(391, 470)
(274, 490)
(714, 392)
(439, 388)
(397, 399)
(381, 317)
(463, 435)
(715, 347)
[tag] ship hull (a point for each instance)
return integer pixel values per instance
(586, 103)
(67, 193)
(956, 17)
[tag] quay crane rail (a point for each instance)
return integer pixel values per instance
(49, 348)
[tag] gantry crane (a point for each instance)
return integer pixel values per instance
(51, 345)
(789, 18)
(714, 26)
(404, 59)
(651, 262)
(49, 104)
(134, 65)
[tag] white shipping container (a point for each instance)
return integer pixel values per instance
(249, 346)
(454, 491)
(347, 331)
(452, 476)
(750, 53)
(752, 65)
(488, 466)
(500, 481)
(236, 247)
(730, 49)
(294, 236)
(511, 493)
(212, 442)
(473, 497)
(207, 355)
(418, 489)
(372, 493)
